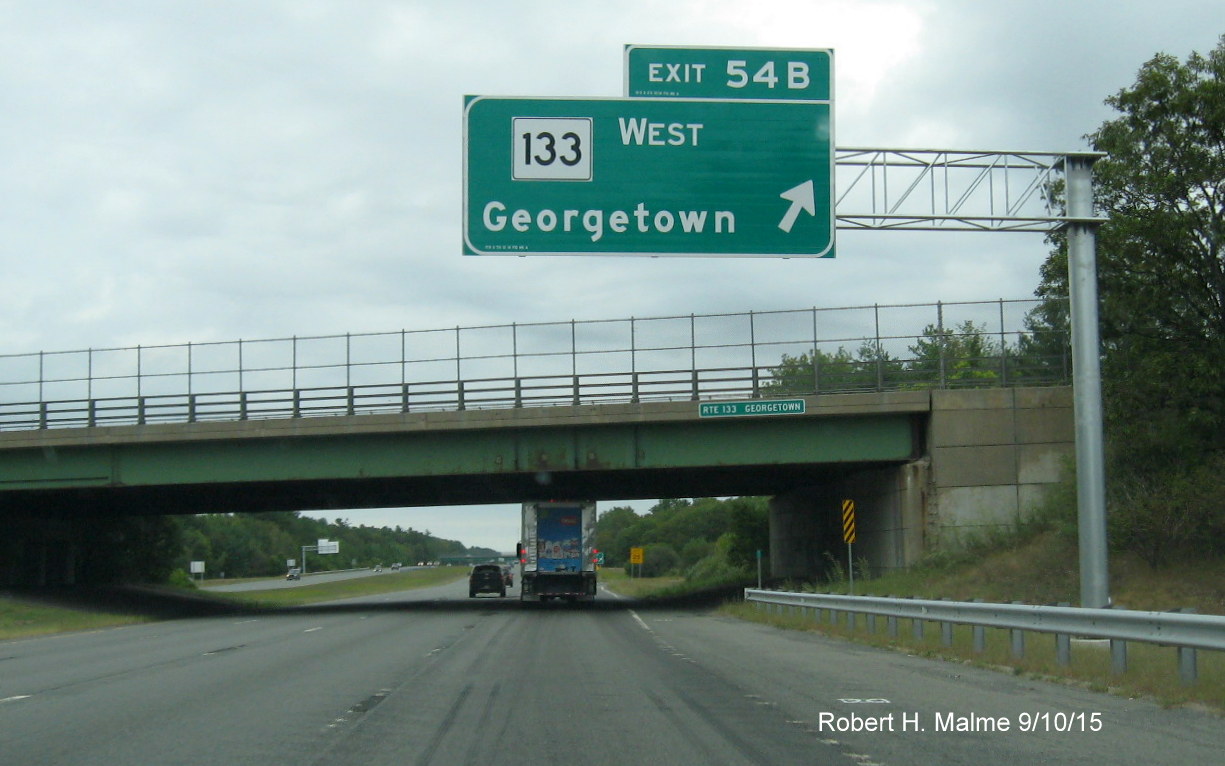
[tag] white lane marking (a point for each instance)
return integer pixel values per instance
(16, 699)
(664, 645)
(645, 627)
(311, 630)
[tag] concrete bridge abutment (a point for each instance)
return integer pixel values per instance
(989, 456)
(806, 536)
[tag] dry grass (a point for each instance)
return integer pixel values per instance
(637, 587)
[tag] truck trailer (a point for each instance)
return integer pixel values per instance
(556, 552)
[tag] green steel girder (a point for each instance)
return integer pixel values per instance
(473, 453)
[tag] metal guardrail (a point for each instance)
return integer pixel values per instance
(1184, 630)
(526, 365)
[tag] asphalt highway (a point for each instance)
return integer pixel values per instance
(433, 677)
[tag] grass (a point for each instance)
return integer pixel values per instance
(22, 618)
(618, 581)
(1043, 570)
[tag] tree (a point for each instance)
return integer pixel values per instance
(610, 527)
(1161, 281)
(1160, 258)
(962, 355)
(707, 539)
(126, 549)
(1044, 352)
(659, 559)
(1175, 516)
(868, 369)
(748, 532)
(254, 544)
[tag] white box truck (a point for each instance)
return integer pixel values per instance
(556, 552)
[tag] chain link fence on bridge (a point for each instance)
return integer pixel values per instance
(695, 356)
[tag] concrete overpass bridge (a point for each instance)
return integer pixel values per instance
(925, 460)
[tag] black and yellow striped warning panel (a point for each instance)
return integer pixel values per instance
(848, 521)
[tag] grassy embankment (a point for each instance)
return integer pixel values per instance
(30, 615)
(616, 580)
(22, 617)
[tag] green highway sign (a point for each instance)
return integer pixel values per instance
(647, 177)
(754, 407)
(729, 73)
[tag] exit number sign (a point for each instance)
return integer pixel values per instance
(729, 73)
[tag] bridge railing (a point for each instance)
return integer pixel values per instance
(749, 355)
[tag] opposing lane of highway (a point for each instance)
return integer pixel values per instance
(309, 579)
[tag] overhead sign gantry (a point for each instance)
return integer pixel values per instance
(686, 182)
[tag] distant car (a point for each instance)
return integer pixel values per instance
(508, 574)
(395, 567)
(486, 578)
(294, 574)
(378, 567)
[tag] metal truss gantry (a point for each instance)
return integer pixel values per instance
(944, 190)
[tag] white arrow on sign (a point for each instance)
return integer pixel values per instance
(801, 196)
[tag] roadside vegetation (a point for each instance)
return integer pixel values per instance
(23, 617)
(695, 544)
(618, 581)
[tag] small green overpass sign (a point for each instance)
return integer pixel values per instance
(754, 407)
(565, 176)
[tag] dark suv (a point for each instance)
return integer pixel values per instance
(486, 578)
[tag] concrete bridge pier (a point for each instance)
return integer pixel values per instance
(890, 510)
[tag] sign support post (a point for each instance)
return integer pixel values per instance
(1087, 383)
(848, 534)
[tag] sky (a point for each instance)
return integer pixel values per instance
(211, 170)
